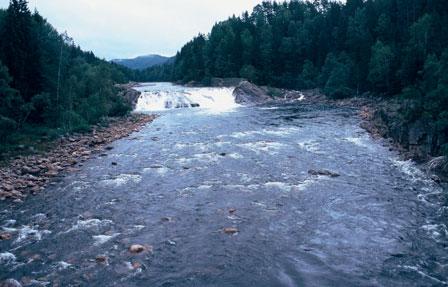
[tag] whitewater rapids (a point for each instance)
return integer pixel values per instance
(167, 96)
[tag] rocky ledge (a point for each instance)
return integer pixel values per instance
(26, 175)
(129, 94)
(418, 140)
(247, 93)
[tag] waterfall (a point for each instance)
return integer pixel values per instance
(166, 96)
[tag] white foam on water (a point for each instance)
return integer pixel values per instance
(101, 239)
(408, 167)
(245, 177)
(307, 182)
(357, 141)
(62, 265)
(121, 180)
(198, 146)
(200, 157)
(310, 146)
(166, 97)
(290, 187)
(221, 144)
(270, 108)
(89, 223)
(279, 185)
(264, 146)
(160, 170)
(7, 258)
(139, 227)
(9, 222)
(239, 135)
(280, 132)
(437, 231)
(423, 274)
(235, 155)
(30, 232)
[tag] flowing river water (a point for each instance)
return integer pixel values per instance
(181, 180)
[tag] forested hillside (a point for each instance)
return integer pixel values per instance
(392, 48)
(48, 85)
(143, 62)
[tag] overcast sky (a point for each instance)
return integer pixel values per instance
(128, 28)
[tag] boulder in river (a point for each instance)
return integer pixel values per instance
(230, 230)
(138, 248)
(323, 172)
(5, 236)
(250, 94)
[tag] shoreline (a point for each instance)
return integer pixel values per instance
(30, 174)
(410, 144)
(369, 109)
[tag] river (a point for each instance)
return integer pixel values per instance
(174, 187)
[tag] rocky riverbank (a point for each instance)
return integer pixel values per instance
(417, 140)
(25, 175)
(384, 118)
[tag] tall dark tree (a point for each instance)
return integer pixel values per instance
(20, 51)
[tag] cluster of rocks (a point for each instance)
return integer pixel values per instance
(26, 175)
(129, 94)
(247, 93)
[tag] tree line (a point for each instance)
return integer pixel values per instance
(391, 48)
(48, 85)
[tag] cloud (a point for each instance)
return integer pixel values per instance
(127, 28)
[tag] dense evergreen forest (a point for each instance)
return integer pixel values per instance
(48, 85)
(390, 48)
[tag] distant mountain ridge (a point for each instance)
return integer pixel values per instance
(143, 62)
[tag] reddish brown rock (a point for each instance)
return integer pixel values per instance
(5, 236)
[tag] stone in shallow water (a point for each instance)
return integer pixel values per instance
(5, 236)
(230, 230)
(138, 248)
(323, 172)
(101, 259)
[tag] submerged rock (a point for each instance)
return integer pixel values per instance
(138, 248)
(323, 172)
(101, 259)
(230, 230)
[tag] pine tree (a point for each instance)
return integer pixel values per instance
(20, 52)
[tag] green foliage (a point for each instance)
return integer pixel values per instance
(48, 85)
(338, 76)
(380, 67)
(308, 78)
(249, 72)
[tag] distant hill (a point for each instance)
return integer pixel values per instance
(143, 62)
